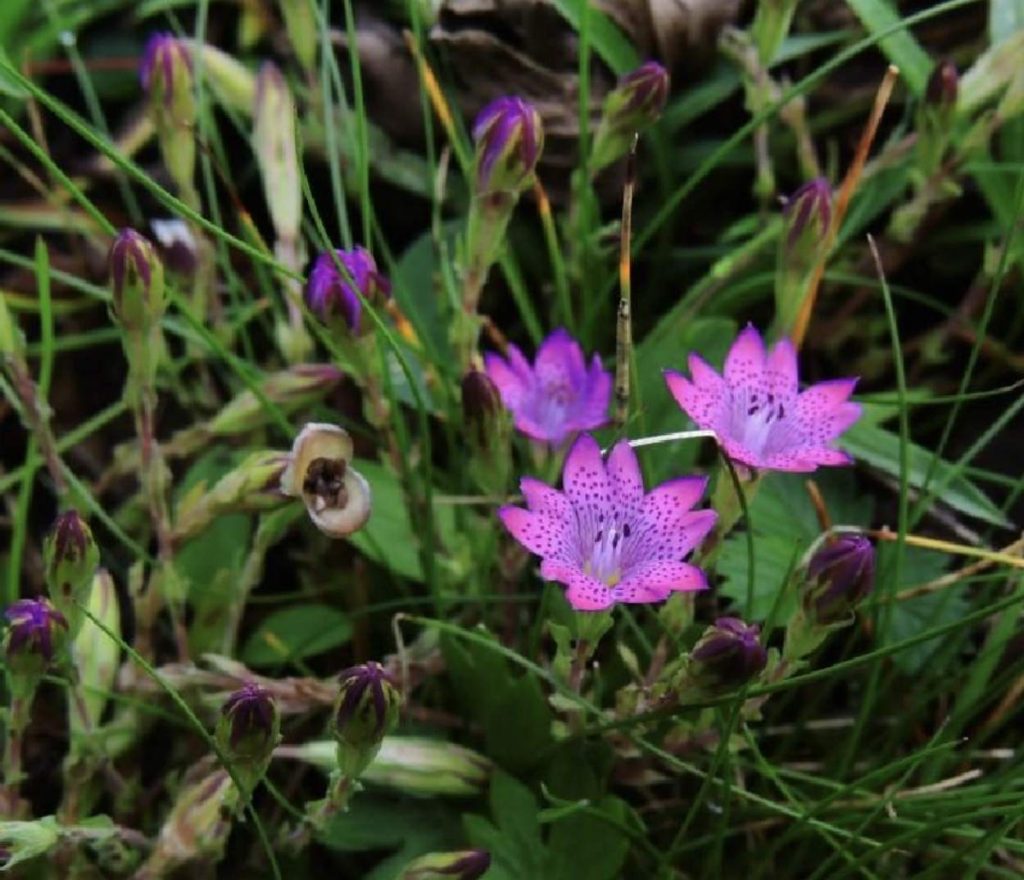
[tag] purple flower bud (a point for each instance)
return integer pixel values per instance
(250, 724)
(943, 86)
(808, 213)
(330, 292)
(71, 557)
(509, 139)
(137, 279)
(729, 653)
(839, 576)
(365, 710)
(164, 60)
(35, 632)
(465, 865)
(644, 92)
(481, 400)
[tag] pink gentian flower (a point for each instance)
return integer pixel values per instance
(557, 396)
(759, 415)
(603, 537)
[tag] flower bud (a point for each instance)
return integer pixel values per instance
(634, 104)
(291, 390)
(178, 248)
(22, 841)
(232, 83)
(481, 401)
(337, 497)
(71, 556)
(365, 710)
(729, 653)
(137, 281)
(197, 826)
(97, 656)
(839, 576)
(276, 152)
(807, 216)
(509, 140)
(166, 74)
(36, 636)
(300, 24)
(943, 86)
(248, 731)
(331, 292)
(254, 485)
(464, 865)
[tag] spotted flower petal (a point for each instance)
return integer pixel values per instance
(756, 410)
(558, 395)
(606, 539)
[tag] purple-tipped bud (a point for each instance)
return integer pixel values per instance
(729, 653)
(366, 709)
(464, 865)
(137, 281)
(36, 632)
(71, 557)
(640, 95)
(166, 65)
(509, 139)
(943, 86)
(634, 104)
(808, 213)
(481, 399)
(839, 576)
(249, 726)
(330, 292)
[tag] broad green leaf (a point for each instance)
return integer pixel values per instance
(389, 537)
(881, 449)
(925, 612)
(513, 839)
(584, 845)
(899, 46)
(296, 632)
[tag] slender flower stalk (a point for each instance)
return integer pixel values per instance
(607, 539)
(759, 415)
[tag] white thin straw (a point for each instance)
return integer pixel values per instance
(668, 438)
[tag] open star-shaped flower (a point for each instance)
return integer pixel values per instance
(557, 396)
(603, 537)
(758, 413)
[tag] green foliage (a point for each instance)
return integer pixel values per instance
(295, 633)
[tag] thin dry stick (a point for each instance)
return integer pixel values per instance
(955, 577)
(624, 325)
(843, 200)
(950, 547)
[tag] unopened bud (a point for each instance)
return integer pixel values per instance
(633, 105)
(71, 556)
(291, 389)
(464, 865)
(729, 653)
(365, 710)
(166, 74)
(276, 151)
(252, 486)
(36, 636)
(23, 841)
(300, 24)
(137, 281)
(839, 577)
(509, 139)
(319, 471)
(489, 428)
(808, 214)
(232, 83)
(481, 400)
(247, 732)
(197, 826)
(943, 85)
(334, 291)
(97, 656)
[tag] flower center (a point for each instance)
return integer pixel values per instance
(755, 415)
(605, 562)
